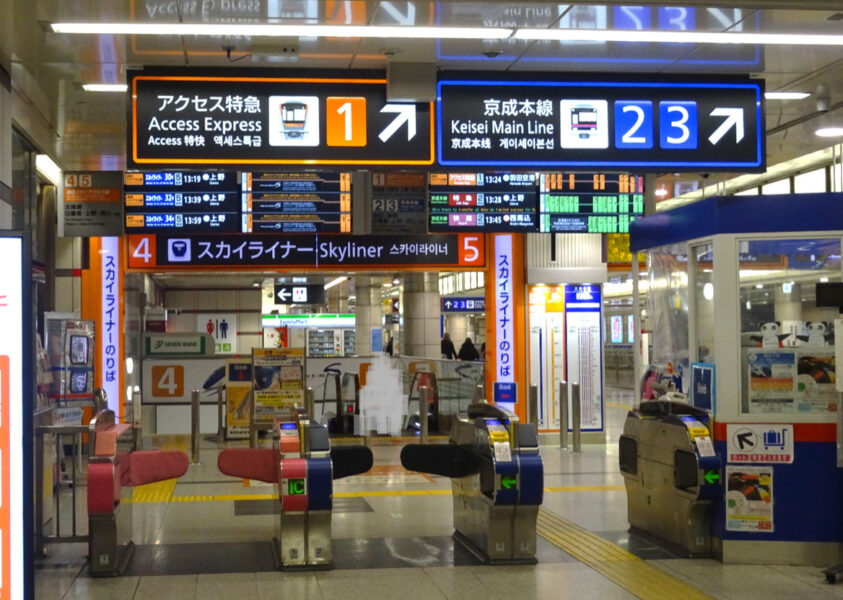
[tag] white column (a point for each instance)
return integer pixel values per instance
(367, 311)
(422, 310)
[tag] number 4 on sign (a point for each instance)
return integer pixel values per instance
(141, 251)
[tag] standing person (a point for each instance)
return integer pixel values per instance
(468, 351)
(389, 349)
(447, 347)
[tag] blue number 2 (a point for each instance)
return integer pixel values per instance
(677, 124)
(633, 124)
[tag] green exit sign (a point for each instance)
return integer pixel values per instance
(295, 487)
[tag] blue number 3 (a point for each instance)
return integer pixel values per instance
(678, 124)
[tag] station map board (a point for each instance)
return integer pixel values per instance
(193, 202)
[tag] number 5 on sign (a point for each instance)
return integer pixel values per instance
(472, 252)
(346, 121)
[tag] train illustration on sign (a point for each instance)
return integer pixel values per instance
(293, 118)
(584, 121)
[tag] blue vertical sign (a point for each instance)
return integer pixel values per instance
(110, 321)
(702, 386)
(504, 313)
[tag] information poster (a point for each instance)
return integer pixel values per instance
(816, 378)
(749, 498)
(278, 375)
(238, 398)
(91, 204)
(772, 380)
(582, 313)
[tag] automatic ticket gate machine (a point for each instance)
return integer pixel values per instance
(497, 478)
(111, 476)
(302, 465)
(671, 474)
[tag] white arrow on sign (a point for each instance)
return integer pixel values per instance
(283, 294)
(406, 114)
(734, 116)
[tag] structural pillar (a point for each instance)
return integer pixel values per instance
(422, 310)
(367, 312)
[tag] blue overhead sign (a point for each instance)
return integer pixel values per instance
(582, 298)
(648, 125)
(470, 305)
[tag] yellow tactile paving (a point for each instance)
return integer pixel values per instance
(585, 488)
(627, 570)
(616, 405)
(160, 491)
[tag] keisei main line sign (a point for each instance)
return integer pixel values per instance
(179, 117)
(646, 125)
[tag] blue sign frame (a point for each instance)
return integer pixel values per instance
(703, 390)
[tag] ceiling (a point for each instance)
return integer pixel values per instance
(86, 130)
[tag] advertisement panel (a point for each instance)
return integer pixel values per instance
(279, 382)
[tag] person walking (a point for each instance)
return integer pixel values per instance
(468, 351)
(447, 347)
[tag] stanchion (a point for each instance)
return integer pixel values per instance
(423, 406)
(309, 404)
(533, 406)
(576, 411)
(220, 414)
(563, 415)
(194, 426)
(479, 395)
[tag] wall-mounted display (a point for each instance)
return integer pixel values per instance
(589, 202)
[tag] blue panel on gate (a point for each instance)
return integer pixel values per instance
(320, 484)
(531, 480)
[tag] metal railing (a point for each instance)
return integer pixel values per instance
(61, 488)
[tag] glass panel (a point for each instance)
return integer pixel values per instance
(749, 192)
(782, 186)
(787, 353)
(668, 305)
(703, 256)
(812, 182)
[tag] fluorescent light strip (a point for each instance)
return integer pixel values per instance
(785, 95)
(829, 131)
(273, 30)
(49, 169)
(104, 87)
(678, 37)
(334, 282)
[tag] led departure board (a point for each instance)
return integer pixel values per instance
(482, 202)
(306, 202)
(589, 202)
(187, 201)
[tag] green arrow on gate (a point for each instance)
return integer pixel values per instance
(712, 476)
(508, 482)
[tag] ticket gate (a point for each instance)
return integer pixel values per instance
(671, 474)
(111, 477)
(497, 479)
(302, 465)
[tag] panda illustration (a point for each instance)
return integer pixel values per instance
(770, 336)
(818, 333)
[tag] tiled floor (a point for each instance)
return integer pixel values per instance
(392, 545)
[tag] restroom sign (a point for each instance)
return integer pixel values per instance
(753, 443)
(180, 118)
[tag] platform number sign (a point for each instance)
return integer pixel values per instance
(647, 125)
(167, 381)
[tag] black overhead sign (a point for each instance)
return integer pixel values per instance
(245, 250)
(242, 119)
(299, 294)
(646, 125)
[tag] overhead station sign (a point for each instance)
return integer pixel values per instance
(244, 251)
(243, 119)
(642, 124)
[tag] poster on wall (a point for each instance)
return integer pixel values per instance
(617, 329)
(238, 398)
(222, 327)
(278, 375)
(630, 326)
(772, 380)
(815, 380)
(582, 310)
(749, 498)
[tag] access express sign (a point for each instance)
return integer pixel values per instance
(642, 125)
(195, 120)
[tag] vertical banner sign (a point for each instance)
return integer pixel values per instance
(111, 330)
(504, 313)
(11, 404)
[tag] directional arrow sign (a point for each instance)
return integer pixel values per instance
(711, 476)
(746, 440)
(406, 114)
(734, 116)
(508, 482)
(283, 294)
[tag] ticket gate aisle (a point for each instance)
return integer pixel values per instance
(671, 474)
(302, 465)
(497, 479)
(111, 477)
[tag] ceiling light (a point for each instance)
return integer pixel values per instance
(46, 167)
(785, 95)
(679, 37)
(395, 280)
(661, 192)
(829, 131)
(823, 279)
(334, 282)
(276, 30)
(708, 291)
(387, 284)
(759, 286)
(105, 87)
